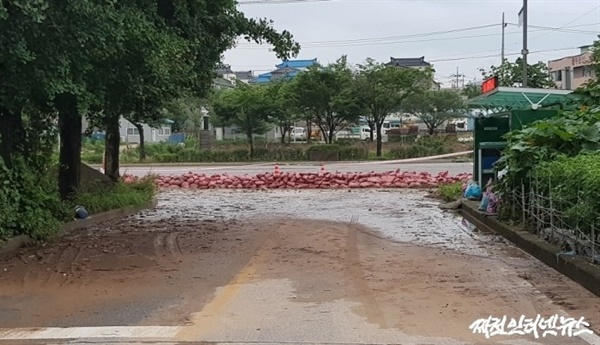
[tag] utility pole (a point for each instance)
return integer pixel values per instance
(525, 51)
(503, 29)
(458, 76)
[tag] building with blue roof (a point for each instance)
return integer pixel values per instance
(286, 70)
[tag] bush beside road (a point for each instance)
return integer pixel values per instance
(238, 152)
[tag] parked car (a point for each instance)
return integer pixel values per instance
(298, 133)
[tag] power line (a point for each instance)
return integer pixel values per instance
(571, 22)
(497, 55)
(402, 37)
(448, 59)
(386, 40)
(458, 75)
(560, 29)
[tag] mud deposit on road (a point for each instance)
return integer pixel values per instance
(385, 266)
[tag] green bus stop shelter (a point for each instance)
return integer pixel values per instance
(517, 108)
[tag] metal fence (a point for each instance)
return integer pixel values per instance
(540, 213)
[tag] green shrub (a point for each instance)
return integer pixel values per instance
(91, 157)
(543, 148)
(573, 184)
(353, 153)
(29, 202)
(121, 195)
(450, 192)
(324, 148)
(424, 147)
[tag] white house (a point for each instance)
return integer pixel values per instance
(130, 133)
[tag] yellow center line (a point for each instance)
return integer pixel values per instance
(208, 318)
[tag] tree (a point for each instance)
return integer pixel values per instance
(282, 94)
(511, 74)
(471, 90)
(186, 113)
(382, 89)
(58, 48)
(327, 94)
(250, 108)
(434, 108)
(168, 51)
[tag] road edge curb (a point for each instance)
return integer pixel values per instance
(20, 241)
(577, 269)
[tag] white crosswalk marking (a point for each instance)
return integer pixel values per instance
(149, 332)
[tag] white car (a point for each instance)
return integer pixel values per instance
(298, 133)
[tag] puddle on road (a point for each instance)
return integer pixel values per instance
(401, 216)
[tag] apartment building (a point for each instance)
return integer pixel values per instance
(572, 72)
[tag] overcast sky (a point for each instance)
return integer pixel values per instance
(450, 34)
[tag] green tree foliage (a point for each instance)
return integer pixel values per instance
(250, 109)
(511, 74)
(434, 108)
(327, 93)
(589, 93)
(285, 116)
(381, 91)
(471, 91)
(64, 60)
(186, 113)
(534, 149)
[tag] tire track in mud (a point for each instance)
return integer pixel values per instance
(167, 244)
(372, 310)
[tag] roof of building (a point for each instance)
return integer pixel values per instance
(297, 63)
(570, 56)
(224, 82)
(408, 62)
(223, 69)
(279, 73)
(262, 78)
(244, 75)
(520, 98)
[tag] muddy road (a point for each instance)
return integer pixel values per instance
(311, 267)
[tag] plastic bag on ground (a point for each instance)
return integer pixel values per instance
(473, 191)
(492, 206)
(484, 202)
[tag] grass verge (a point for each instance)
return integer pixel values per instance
(450, 192)
(121, 195)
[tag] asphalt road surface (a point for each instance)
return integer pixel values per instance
(434, 168)
(283, 267)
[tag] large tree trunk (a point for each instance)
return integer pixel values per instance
(140, 129)
(283, 133)
(372, 127)
(331, 135)
(11, 134)
(250, 138)
(111, 148)
(70, 129)
(379, 139)
(431, 130)
(308, 130)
